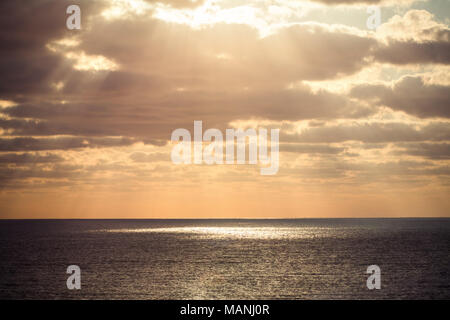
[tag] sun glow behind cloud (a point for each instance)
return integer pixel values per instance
(266, 19)
(123, 8)
(91, 62)
(81, 60)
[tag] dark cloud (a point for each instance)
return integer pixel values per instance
(410, 52)
(157, 117)
(142, 100)
(411, 95)
(21, 158)
(25, 29)
(192, 57)
(375, 132)
(60, 143)
(310, 148)
(10, 176)
(435, 151)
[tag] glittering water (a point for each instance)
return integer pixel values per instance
(225, 259)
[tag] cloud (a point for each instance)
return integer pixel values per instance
(149, 157)
(20, 158)
(435, 151)
(410, 94)
(60, 143)
(310, 148)
(10, 176)
(27, 65)
(171, 73)
(371, 132)
(416, 25)
(193, 57)
(413, 38)
(409, 52)
(180, 4)
(365, 2)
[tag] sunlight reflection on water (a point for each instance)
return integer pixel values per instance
(237, 232)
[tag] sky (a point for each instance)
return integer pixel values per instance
(86, 116)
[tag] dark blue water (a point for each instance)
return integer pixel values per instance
(225, 259)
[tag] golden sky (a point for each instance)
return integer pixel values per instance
(86, 115)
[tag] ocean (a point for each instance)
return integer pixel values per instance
(225, 259)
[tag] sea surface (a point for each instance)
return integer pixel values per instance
(225, 259)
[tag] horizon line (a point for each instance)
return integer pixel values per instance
(299, 218)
